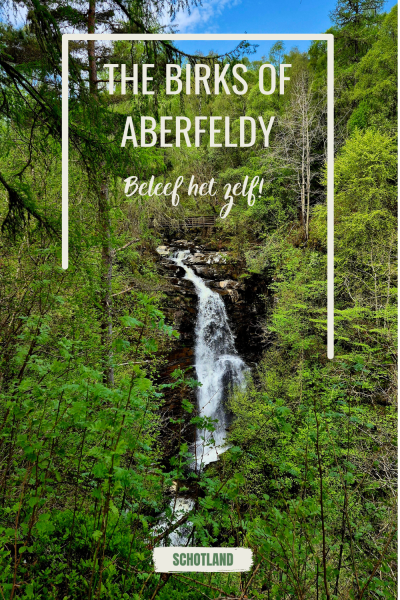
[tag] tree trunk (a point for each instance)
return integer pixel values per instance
(308, 179)
(106, 279)
(91, 48)
(104, 227)
(303, 168)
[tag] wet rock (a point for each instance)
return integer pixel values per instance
(227, 284)
(198, 258)
(186, 284)
(207, 258)
(181, 358)
(234, 295)
(183, 243)
(205, 272)
(163, 250)
(170, 266)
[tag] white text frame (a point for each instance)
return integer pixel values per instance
(329, 38)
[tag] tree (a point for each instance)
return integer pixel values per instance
(375, 91)
(298, 146)
(94, 120)
(356, 20)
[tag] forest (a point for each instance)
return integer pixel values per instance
(100, 426)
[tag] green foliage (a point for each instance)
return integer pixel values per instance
(376, 87)
(308, 482)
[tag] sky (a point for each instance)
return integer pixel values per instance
(250, 16)
(256, 16)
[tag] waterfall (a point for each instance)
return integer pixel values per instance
(218, 366)
(219, 369)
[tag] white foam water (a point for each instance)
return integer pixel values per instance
(218, 366)
(179, 506)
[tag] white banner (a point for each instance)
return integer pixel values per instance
(208, 560)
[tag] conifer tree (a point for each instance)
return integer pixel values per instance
(356, 20)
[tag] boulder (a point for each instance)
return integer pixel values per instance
(163, 250)
(183, 243)
(205, 272)
(228, 283)
(198, 258)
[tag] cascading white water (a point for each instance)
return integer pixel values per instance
(179, 506)
(218, 366)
